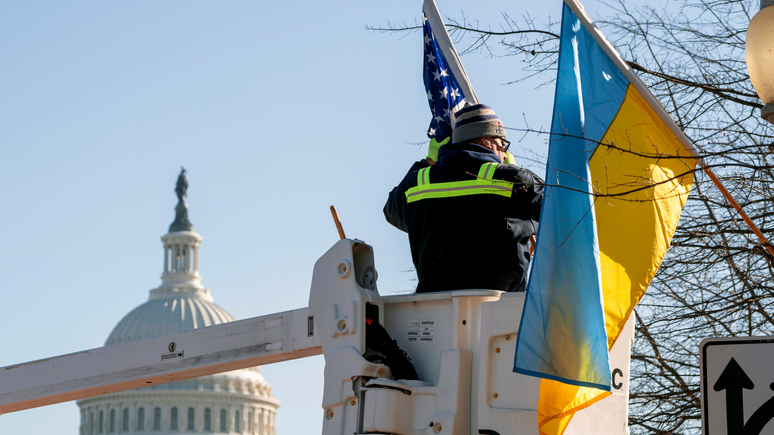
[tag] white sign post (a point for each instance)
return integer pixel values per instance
(737, 386)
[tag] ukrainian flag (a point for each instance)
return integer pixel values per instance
(618, 174)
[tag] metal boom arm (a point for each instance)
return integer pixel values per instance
(190, 354)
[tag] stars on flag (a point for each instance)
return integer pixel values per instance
(443, 92)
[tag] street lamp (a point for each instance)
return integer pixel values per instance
(759, 55)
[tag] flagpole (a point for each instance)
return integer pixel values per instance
(654, 104)
(447, 48)
(738, 208)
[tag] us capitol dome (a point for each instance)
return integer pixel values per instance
(236, 402)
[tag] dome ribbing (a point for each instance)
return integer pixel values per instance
(168, 315)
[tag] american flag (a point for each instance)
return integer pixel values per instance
(443, 91)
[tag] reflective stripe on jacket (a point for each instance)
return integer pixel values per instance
(482, 185)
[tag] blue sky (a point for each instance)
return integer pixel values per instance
(276, 112)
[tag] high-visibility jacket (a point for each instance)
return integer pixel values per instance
(469, 219)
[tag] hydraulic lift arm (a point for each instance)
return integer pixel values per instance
(190, 354)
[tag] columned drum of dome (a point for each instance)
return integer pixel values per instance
(233, 402)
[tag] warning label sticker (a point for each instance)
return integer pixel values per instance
(421, 330)
(169, 356)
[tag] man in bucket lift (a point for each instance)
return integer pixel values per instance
(469, 217)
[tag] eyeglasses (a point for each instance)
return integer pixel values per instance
(505, 144)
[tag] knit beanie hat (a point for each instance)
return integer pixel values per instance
(475, 121)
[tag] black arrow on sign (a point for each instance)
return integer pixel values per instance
(734, 380)
(760, 417)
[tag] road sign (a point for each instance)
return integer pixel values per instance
(737, 386)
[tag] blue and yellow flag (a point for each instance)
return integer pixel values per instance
(618, 174)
